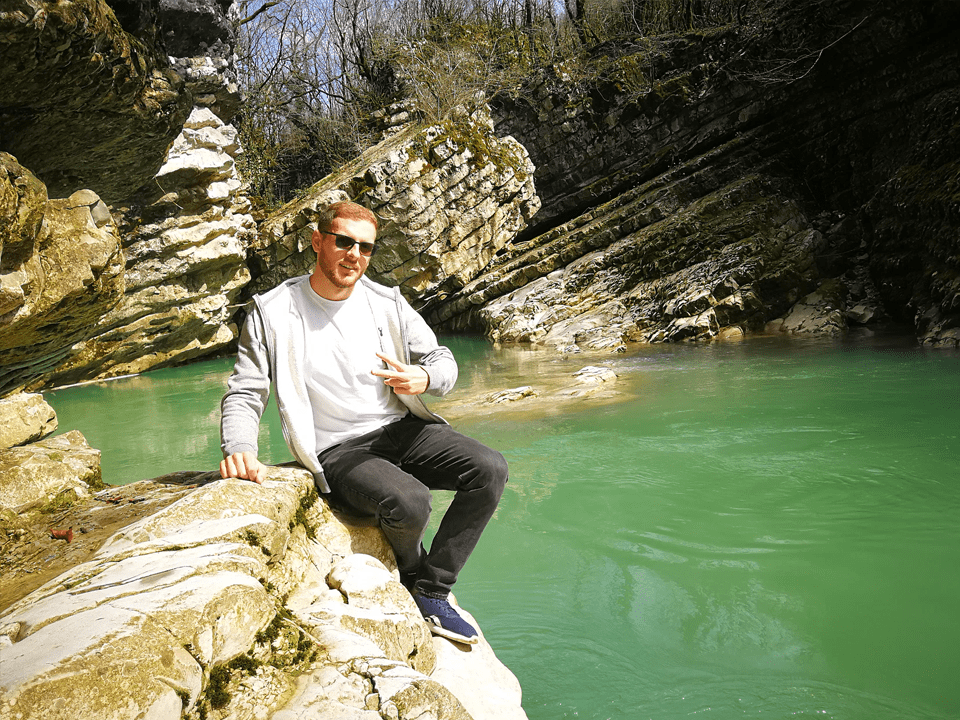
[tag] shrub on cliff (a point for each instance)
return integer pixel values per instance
(314, 71)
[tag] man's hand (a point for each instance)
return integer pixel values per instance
(404, 379)
(243, 465)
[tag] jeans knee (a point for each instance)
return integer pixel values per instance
(492, 472)
(408, 510)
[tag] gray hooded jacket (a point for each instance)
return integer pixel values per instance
(271, 352)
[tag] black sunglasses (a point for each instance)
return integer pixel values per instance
(344, 242)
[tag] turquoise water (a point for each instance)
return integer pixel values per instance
(763, 529)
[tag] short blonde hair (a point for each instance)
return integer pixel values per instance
(346, 210)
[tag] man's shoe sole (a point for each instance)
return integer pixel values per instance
(450, 635)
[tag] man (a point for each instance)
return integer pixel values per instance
(350, 360)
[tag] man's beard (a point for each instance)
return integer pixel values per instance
(332, 277)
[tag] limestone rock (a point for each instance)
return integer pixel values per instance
(231, 602)
(820, 312)
(23, 202)
(512, 394)
(83, 103)
(59, 277)
(35, 474)
(25, 418)
(684, 120)
(656, 264)
(185, 247)
(374, 605)
(448, 197)
(593, 375)
(199, 37)
(484, 685)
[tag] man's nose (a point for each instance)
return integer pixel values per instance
(354, 251)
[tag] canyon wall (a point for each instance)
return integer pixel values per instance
(707, 184)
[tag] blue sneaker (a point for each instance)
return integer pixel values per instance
(444, 620)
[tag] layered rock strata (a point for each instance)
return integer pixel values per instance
(240, 600)
(93, 97)
(185, 254)
(83, 103)
(185, 250)
(657, 264)
(674, 125)
(61, 269)
(448, 196)
(199, 37)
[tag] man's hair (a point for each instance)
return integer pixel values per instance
(346, 210)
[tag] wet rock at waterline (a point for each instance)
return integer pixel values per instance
(657, 264)
(592, 381)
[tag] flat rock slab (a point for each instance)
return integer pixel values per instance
(30, 555)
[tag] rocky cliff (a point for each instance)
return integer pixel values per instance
(61, 270)
(449, 197)
(794, 173)
(184, 238)
(131, 100)
(92, 93)
(706, 184)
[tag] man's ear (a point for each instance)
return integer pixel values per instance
(315, 241)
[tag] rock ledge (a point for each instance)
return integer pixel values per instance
(240, 601)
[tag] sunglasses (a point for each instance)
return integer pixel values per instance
(345, 242)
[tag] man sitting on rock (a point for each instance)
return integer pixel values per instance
(350, 359)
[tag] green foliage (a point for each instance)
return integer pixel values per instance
(63, 501)
(306, 652)
(216, 692)
(95, 480)
(245, 663)
(300, 516)
(272, 631)
(314, 72)
(253, 540)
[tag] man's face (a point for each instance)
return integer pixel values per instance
(339, 268)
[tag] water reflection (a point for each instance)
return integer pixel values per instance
(764, 528)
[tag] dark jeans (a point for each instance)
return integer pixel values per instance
(388, 474)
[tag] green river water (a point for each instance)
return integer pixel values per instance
(769, 528)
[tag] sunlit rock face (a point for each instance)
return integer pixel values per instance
(691, 193)
(448, 198)
(83, 103)
(648, 267)
(185, 262)
(61, 269)
(25, 418)
(34, 474)
(240, 600)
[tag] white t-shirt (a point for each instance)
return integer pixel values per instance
(342, 339)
